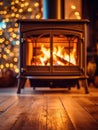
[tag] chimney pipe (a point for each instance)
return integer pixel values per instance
(53, 9)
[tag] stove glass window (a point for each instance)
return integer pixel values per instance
(38, 50)
(52, 49)
(65, 50)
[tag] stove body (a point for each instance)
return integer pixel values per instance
(52, 53)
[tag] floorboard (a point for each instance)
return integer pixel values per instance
(50, 109)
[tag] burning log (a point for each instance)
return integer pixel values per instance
(40, 60)
(63, 60)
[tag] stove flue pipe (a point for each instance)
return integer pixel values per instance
(53, 9)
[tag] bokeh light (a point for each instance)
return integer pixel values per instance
(10, 12)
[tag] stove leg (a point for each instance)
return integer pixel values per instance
(21, 83)
(85, 84)
(78, 85)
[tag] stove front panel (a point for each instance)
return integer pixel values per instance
(53, 47)
(53, 52)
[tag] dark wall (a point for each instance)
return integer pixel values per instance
(90, 11)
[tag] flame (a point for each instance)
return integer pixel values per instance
(46, 55)
(60, 56)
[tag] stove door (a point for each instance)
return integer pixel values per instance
(65, 50)
(52, 51)
(38, 52)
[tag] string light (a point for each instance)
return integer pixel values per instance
(10, 12)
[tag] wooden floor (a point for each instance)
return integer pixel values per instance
(48, 109)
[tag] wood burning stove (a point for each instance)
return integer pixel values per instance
(52, 53)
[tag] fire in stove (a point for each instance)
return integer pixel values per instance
(62, 50)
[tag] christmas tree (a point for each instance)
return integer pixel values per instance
(10, 12)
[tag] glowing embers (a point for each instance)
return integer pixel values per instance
(60, 51)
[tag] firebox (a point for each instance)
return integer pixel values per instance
(52, 53)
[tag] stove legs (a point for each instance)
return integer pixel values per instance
(84, 81)
(21, 83)
(84, 84)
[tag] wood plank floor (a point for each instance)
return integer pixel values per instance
(49, 109)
